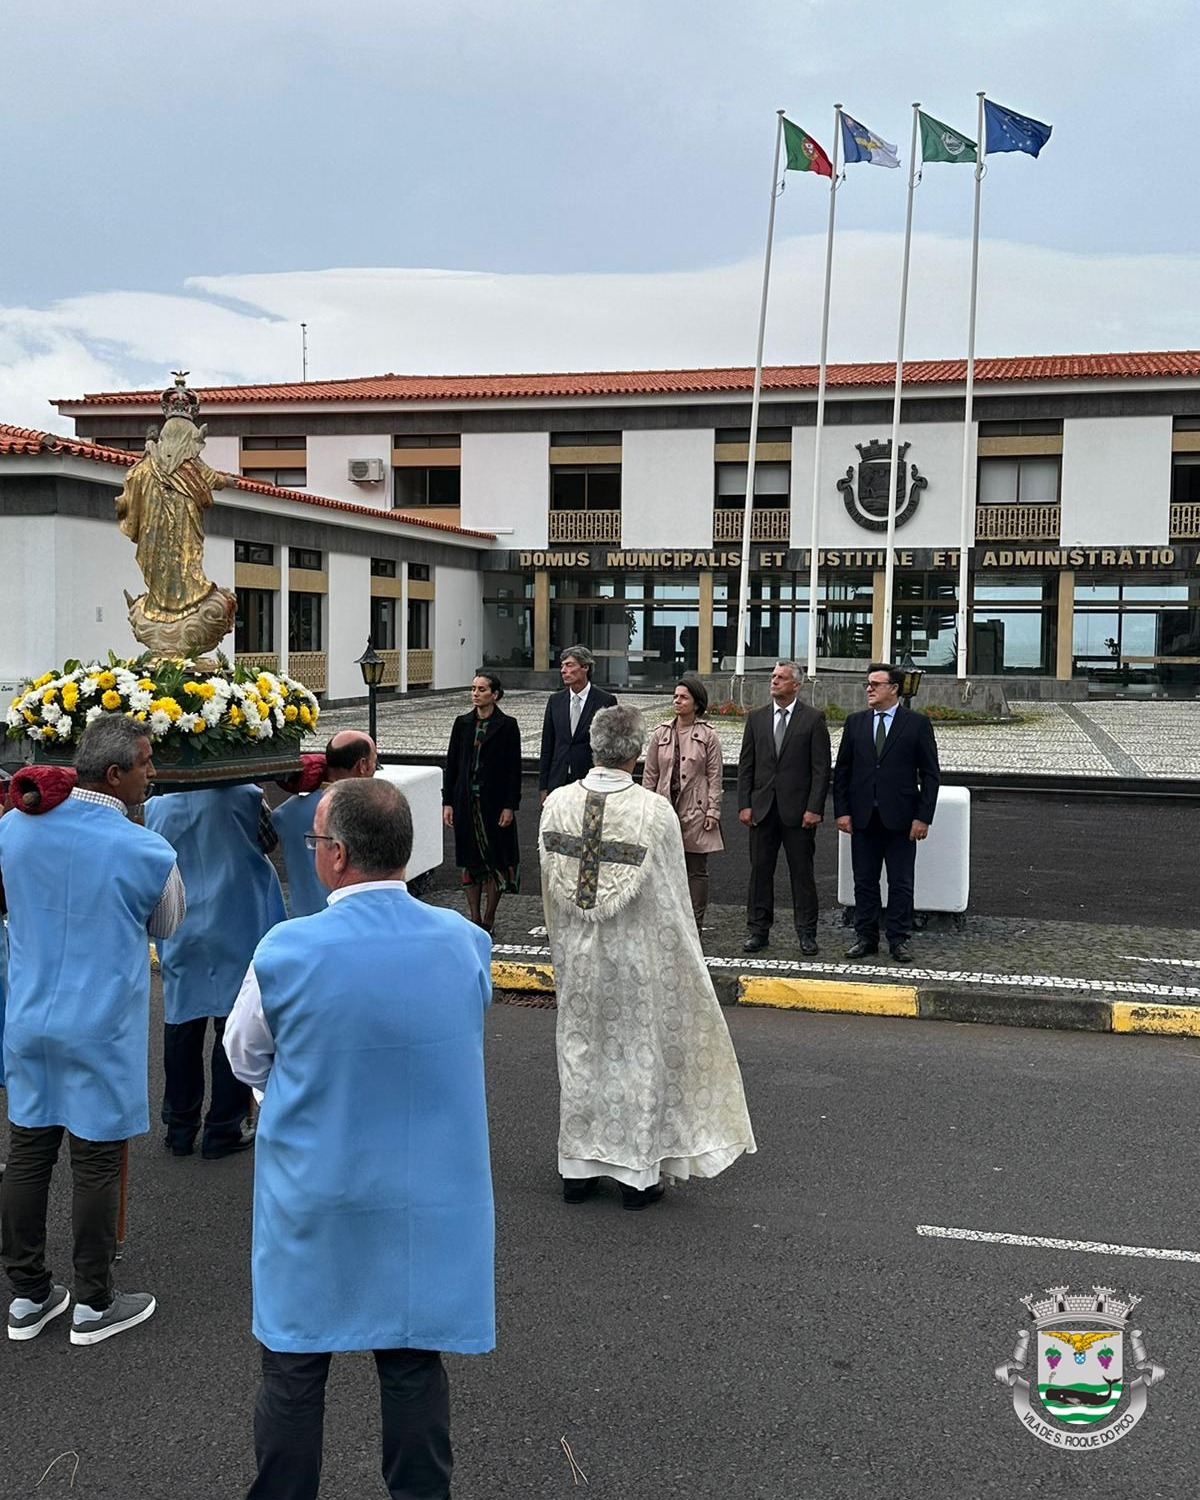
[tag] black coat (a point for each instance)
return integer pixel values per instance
(499, 787)
(903, 782)
(566, 757)
(797, 779)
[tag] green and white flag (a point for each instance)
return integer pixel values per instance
(940, 143)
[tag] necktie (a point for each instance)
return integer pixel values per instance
(880, 734)
(576, 710)
(780, 728)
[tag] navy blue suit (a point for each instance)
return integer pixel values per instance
(883, 795)
(567, 757)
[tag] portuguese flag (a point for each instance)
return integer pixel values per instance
(803, 153)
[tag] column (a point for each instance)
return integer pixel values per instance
(402, 630)
(704, 634)
(879, 647)
(541, 621)
(1065, 652)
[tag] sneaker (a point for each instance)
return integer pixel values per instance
(127, 1310)
(31, 1324)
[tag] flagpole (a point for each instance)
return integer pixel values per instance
(748, 512)
(965, 539)
(813, 569)
(889, 568)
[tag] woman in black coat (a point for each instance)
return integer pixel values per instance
(480, 797)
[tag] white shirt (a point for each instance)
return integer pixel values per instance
(887, 714)
(249, 1045)
(574, 712)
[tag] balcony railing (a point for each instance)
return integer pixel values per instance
(258, 661)
(308, 667)
(1018, 523)
(765, 525)
(1185, 522)
(420, 668)
(585, 526)
(391, 669)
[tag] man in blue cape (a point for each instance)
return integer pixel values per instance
(348, 755)
(233, 899)
(373, 1219)
(85, 888)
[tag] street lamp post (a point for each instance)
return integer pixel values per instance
(371, 665)
(912, 679)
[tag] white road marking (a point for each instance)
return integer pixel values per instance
(1179, 963)
(904, 973)
(1044, 1242)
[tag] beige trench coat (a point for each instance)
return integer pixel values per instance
(700, 768)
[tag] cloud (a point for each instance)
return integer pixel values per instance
(232, 329)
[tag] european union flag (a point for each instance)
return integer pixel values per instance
(1009, 131)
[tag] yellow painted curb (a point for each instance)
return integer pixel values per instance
(830, 994)
(510, 976)
(1156, 1020)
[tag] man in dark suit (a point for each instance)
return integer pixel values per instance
(885, 787)
(566, 749)
(783, 776)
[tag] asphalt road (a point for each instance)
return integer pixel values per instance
(1076, 859)
(781, 1332)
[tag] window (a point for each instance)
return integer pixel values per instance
(306, 559)
(418, 624)
(772, 484)
(1185, 479)
(304, 622)
(254, 628)
(284, 479)
(128, 442)
(274, 444)
(1180, 424)
(431, 440)
(765, 434)
(254, 552)
(418, 572)
(1026, 427)
(383, 567)
(431, 486)
(1018, 481)
(585, 439)
(585, 487)
(383, 624)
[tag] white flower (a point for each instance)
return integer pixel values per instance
(64, 727)
(211, 712)
(160, 722)
(92, 714)
(140, 699)
(51, 712)
(189, 723)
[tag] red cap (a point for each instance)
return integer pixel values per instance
(36, 789)
(308, 778)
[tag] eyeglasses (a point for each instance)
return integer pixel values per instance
(869, 684)
(311, 840)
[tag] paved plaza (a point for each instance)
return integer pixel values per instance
(1127, 738)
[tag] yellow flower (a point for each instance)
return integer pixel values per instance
(167, 706)
(235, 715)
(70, 696)
(29, 718)
(146, 684)
(305, 714)
(106, 680)
(43, 680)
(290, 713)
(264, 685)
(49, 695)
(110, 699)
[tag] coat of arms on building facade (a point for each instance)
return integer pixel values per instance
(869, 507)
(1077, 1393)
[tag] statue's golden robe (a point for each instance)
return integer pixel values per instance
(162, 514)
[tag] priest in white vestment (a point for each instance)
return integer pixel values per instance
(650, 1082)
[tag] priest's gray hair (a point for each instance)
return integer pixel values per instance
(617, 736)
(110, 740)
(373, 820)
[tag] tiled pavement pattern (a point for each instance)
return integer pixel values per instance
(1105, 739)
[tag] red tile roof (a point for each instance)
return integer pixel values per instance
(1170, 364)
(26, 442)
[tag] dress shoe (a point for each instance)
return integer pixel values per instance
(241, 1142)
(902, 953)
(577, 1189)
(755, 942)
(179, 1145)
(638, 1198)
(808, 945)
(862, 949)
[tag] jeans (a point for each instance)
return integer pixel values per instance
(24, 1192)
(289, 1419)
(183, 1088)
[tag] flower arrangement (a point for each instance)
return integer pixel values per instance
(181, 704)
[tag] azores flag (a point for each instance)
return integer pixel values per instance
(859, 144)
(1009, 131)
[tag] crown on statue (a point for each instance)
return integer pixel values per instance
(874, 450)
(1060, 1299)
(180, 401)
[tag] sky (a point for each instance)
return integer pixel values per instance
(471, 186)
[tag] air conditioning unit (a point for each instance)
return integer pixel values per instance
(365, 470)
